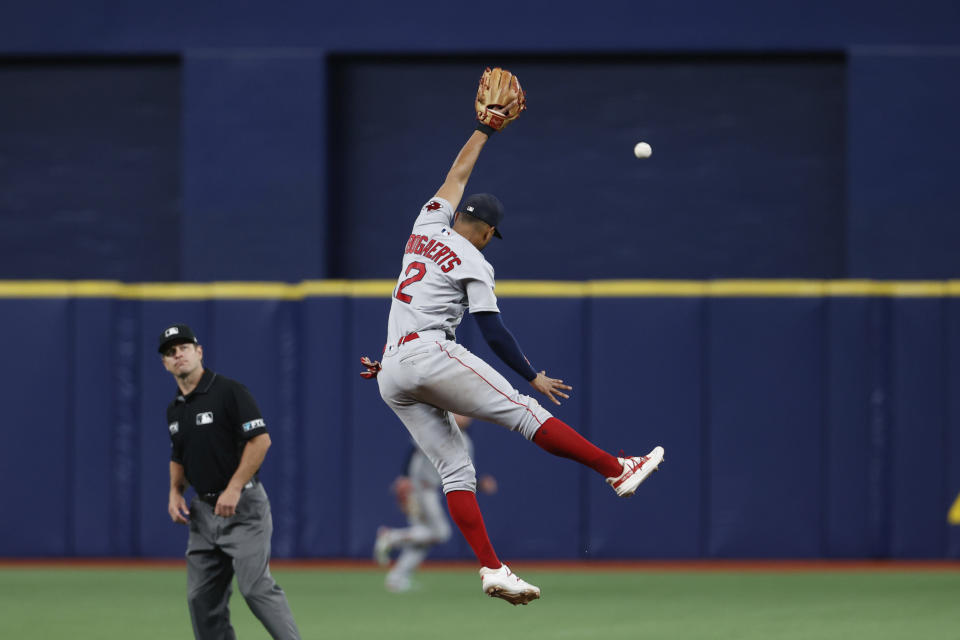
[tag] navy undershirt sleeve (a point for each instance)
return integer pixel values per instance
(503, 343)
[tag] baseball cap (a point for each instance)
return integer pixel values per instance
(486, 207)
(175, 334)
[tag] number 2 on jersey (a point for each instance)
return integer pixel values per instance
(421, 270)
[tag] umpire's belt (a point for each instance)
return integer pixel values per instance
(211, 498)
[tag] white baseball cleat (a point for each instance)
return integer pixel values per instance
(635, 471)
(503, 583)
(381, 548)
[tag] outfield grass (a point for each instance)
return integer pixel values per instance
(148, 603)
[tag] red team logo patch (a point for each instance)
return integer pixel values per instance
(433, 206)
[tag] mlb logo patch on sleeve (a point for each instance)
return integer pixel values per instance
(205, 418)
(174, 428)
(254, 424)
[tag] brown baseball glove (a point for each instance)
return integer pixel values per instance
(500, 100)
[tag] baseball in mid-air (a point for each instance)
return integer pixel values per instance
(642, 150)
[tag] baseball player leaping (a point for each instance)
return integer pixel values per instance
(425, 375)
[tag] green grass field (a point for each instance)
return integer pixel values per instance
(149, 603)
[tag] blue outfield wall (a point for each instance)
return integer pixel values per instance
(277, 163)
(800, 423)
(435, 25)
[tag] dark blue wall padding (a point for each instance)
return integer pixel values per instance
(746, 181)
(327, 361)
(765, 427)
(646, 387)
(438, 26)
(119, 163)
(952, 352)
(813, 426)
(276, 163)
(90, 169)
(39, 429)
(854, 405)
(90, 413)
(918, 446)
(253, 166)
(902, 188)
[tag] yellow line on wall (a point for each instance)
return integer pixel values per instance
(506, 289)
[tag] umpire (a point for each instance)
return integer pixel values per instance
(219, 441)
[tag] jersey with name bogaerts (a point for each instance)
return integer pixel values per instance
(443, 275)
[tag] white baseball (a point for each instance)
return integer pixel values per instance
(642, 150)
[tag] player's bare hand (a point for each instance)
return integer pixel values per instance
(402, 489)
(177, 508)
(227, 502)
(487, 484)
(373, 368)
(550, 387)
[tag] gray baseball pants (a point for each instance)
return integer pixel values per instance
(220, 547)
(424, 379)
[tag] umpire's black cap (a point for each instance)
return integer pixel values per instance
(175, 334)
(486, 207)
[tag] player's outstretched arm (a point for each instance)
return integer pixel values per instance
(453, 187)
(500, 101)
(502, 342)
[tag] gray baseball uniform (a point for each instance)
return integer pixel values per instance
(425, 373)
